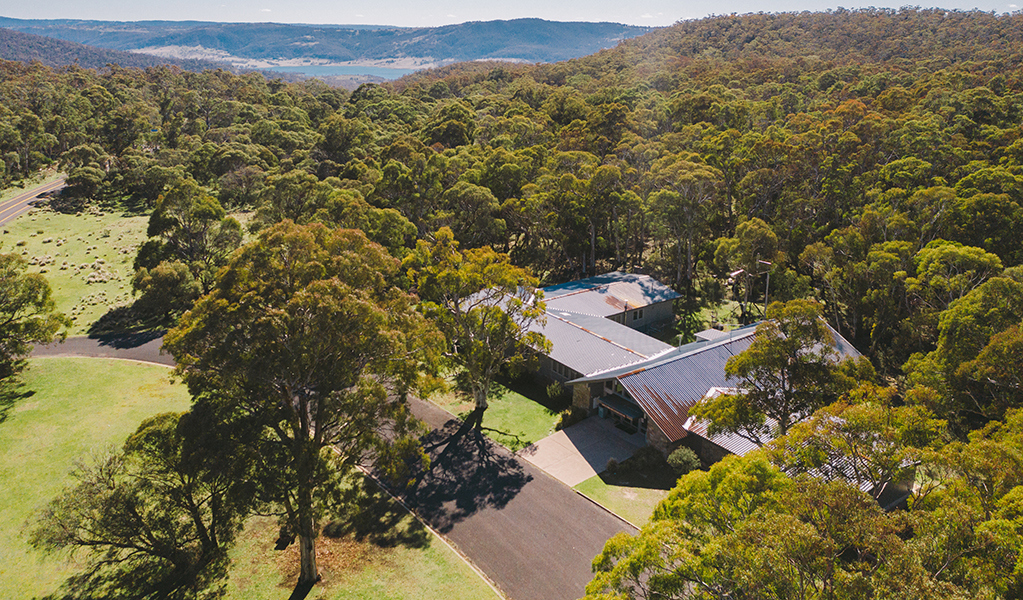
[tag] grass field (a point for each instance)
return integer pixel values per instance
(78, 406)
(522, 419)
(634, 504)
(87, 258)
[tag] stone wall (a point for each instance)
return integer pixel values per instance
(656, 438)
(581, 396)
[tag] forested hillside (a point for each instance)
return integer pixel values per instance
(523, 39)
(871, 160)
(25, 47)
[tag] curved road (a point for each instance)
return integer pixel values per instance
(19, 205)
(532, 535)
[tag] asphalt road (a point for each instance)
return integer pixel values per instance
(531, 534)
(19, 205)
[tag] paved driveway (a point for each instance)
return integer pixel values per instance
(575, 454)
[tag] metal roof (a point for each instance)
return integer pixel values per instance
(668, 386)
(591, 344)
(667, 390)
(673, 354)
(615, 332)
(608, 294)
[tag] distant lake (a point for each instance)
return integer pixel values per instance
(316, 70)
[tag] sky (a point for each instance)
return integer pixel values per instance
(431, 13)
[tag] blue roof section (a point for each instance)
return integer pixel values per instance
(608, 294)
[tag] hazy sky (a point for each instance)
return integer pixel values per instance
(436, 12)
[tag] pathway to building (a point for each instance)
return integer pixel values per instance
(531, 534)
(579, 452)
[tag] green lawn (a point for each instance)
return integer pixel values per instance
(634, 504)
(384, 554)
(633, 490)
(519, 420)
(78, 406)
(81, 406)
(87, 258)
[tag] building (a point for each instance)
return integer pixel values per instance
(646, 385)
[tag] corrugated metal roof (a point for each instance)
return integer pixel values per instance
(615, 332)
(588, 350)
(668, 386)
(608, 294)
(667, 390)
(732, 442)
(673, 354)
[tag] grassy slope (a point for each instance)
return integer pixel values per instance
(47, 432)
(80, 241)
(80, 406)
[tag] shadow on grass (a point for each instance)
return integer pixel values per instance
(633, 473)
(374, 517)
(301, 591)
(11, 392)
(470, 473)
(122, 327)
(528, 386)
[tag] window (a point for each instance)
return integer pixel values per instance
(637, 315)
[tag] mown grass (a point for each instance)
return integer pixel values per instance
(87, 257)
(512, 419)
(72, 409)
(633, 490)
(634, 504)
(78, 407)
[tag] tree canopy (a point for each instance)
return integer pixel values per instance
(305, 336)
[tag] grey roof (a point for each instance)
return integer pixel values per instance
(660, 359)
(608, 294)
(589, 344)
(617, 333)
(711, 335)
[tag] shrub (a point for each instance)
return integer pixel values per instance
(684, 460)
(647, 458)
(570, 416)
(556, 390)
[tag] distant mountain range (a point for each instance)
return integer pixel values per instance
(266, 45)
(15, 45)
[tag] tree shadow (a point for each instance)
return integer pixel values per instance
(301, 590)
(11, 392)
(527, 385)
(469, 474)
(122, 327)
(373, 516)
